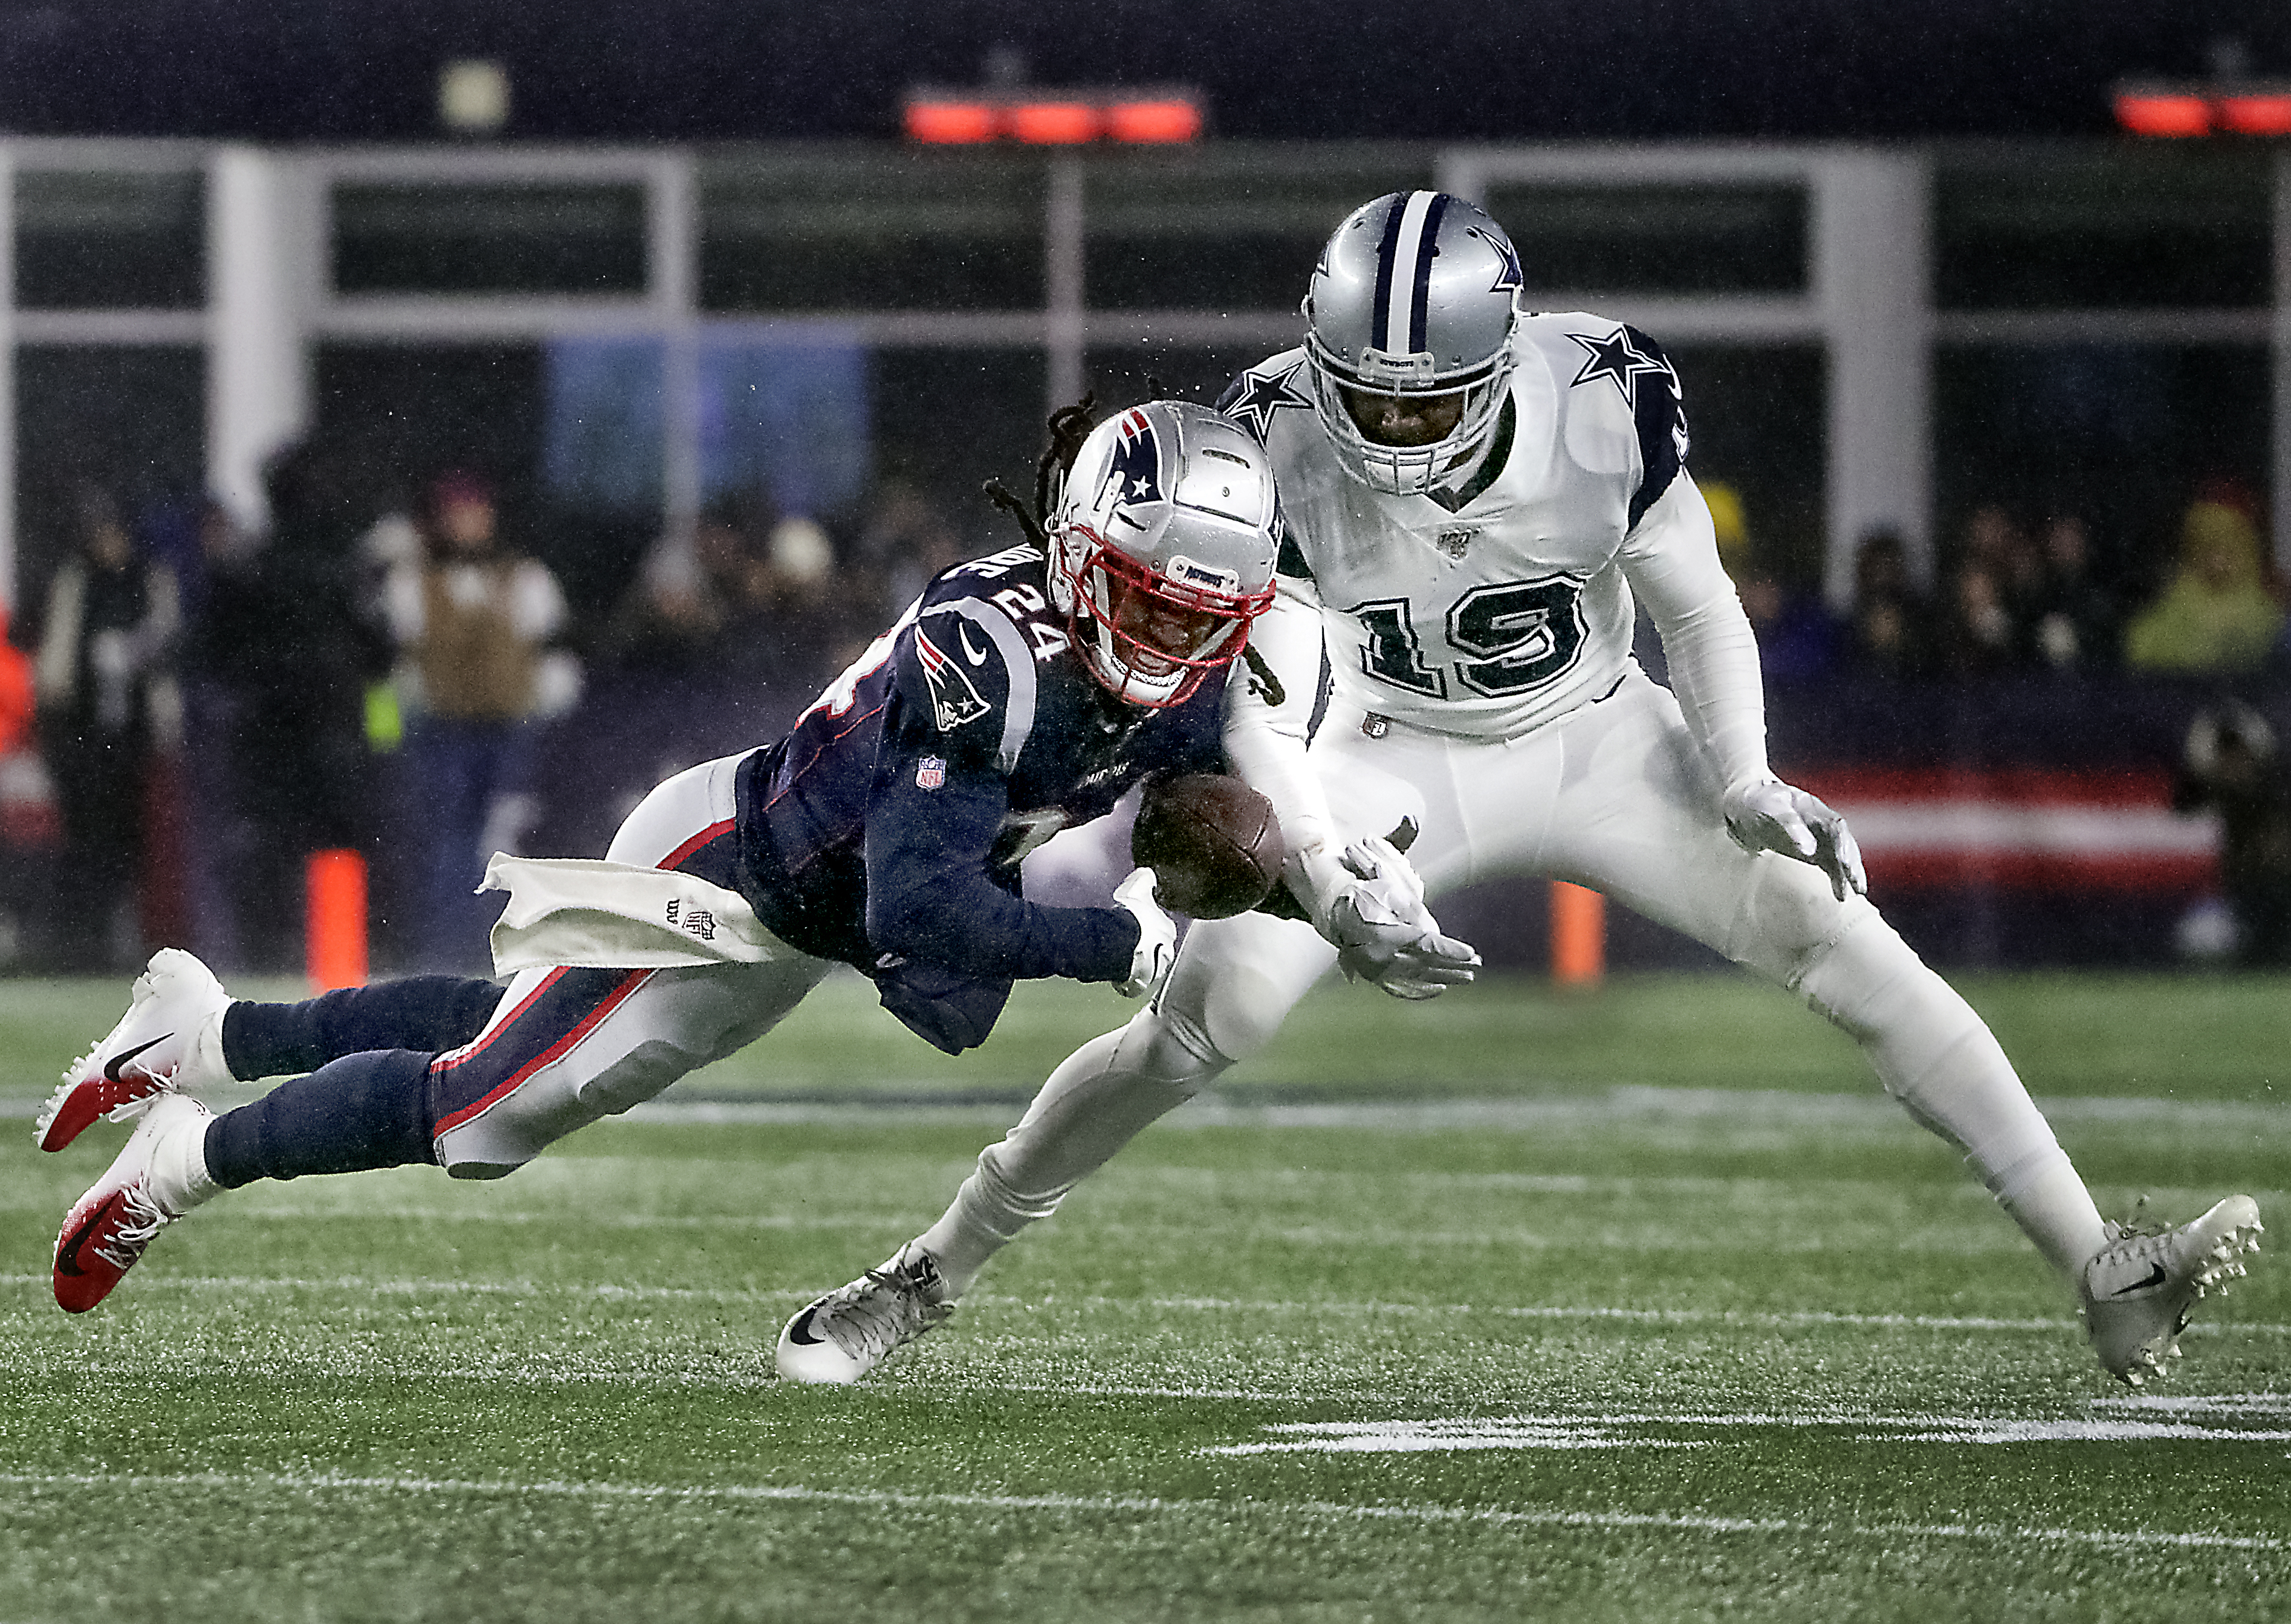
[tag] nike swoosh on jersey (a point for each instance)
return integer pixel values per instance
(111, 1067)
(976, 657)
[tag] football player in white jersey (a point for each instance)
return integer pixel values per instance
(1477, 497)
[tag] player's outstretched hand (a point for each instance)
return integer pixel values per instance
(1767, 815)
(1382, 930)
(1157, 936)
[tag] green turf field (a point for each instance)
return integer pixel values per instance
(1638, 1305)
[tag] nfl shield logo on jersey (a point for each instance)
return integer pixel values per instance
(930, 772)
(1456, 541)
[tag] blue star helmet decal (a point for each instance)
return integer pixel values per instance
(1254, 396)
(1508, 275)
(1617, 358)
(1136, 461)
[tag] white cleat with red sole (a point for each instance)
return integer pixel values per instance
(159, 1176)
(171, 1037)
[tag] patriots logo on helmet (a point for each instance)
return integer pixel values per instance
(1135, 469)
(954, 700)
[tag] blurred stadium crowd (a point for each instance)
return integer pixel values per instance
(188, 709)
(2027, 591)
(392, 665)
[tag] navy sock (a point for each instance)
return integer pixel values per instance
(359, 1112)
(429, 1013)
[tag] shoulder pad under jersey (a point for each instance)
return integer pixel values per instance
(980, 629)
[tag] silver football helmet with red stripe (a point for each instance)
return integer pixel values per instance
(1410, 317)
(1162, 543)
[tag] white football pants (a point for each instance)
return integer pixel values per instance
(1615, 796)
(565, 1048)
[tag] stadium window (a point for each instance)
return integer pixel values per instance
(939, 230)
(432, 237)
(110, 241)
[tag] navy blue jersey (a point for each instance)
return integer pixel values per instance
(885, 830)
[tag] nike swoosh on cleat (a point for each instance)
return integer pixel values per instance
(799, 1331)
(68, 1254)
(111, 1067)
(2156, 1276)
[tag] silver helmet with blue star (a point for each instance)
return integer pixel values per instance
(1409, 330)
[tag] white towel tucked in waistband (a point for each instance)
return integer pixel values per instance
(595, 915)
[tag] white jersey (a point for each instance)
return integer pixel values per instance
(1491, 608)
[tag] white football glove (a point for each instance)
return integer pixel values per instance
(1157, 936)
(1369, 902)
(1767, 815)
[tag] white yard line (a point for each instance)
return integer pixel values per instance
(1222, 1511)
(1240, 1308)
(1580, 1431)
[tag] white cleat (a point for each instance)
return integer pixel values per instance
(170, 1038)
(158, 1176)
(840, 1337)
(2137, 1291)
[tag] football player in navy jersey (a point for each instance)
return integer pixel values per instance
(1476, 498)
(1020, 694)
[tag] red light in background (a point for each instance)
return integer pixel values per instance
(2166, 116)
(1054, 124)
(949, 121)
(2269, 114)
(1154, 121)
(1053, 115)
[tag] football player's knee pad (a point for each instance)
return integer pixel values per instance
(554, 1102)
(1788, 918)
(1173, 1048)
(1222, 1011)
(1104, 1094)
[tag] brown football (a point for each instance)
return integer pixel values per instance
(1211, 840)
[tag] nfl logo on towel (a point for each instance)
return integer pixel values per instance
(930, 772)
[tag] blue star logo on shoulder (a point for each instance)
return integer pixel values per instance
(1254, 396)
(1617, 358)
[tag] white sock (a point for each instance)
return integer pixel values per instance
(178, 1179)
(203, 1065)
(1936, 1057)
(2049, 1202)
(1103, 1096)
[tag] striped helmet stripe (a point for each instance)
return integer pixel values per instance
(1405, 262)
(1419, 305)
(1380, 317)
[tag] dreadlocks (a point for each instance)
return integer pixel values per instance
(1069, 427)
